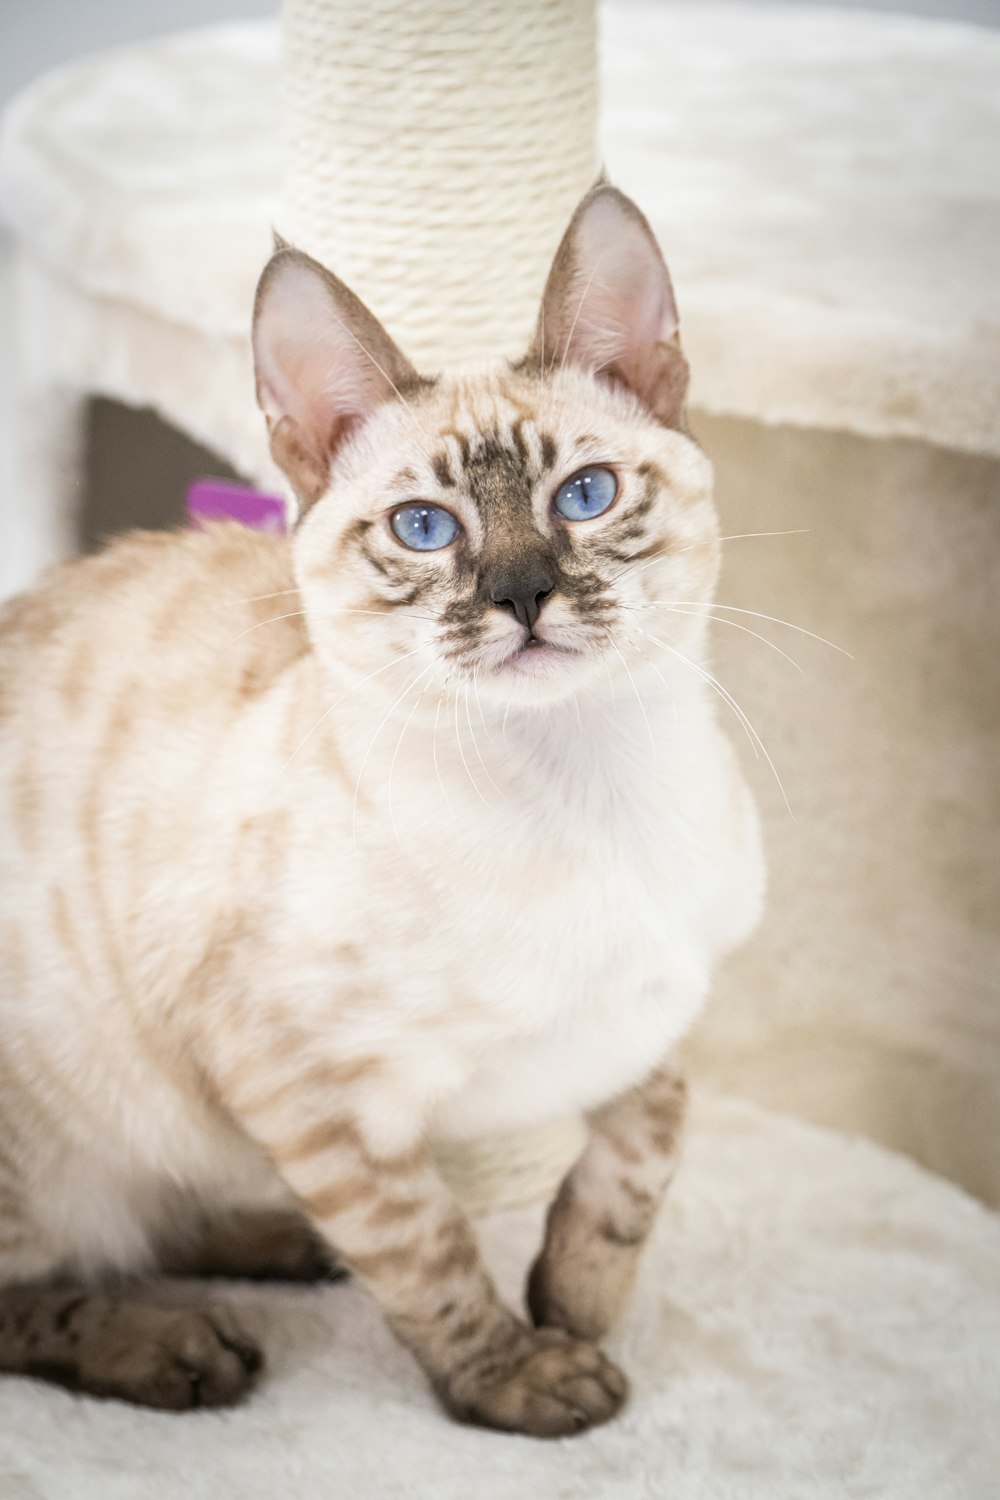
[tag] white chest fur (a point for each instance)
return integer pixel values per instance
(564, 894)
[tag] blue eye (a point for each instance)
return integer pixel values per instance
(425, 528)
(587, 494)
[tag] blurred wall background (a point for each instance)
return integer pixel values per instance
(37, 34)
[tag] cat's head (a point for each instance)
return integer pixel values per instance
(530, 529)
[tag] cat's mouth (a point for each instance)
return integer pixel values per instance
(535, 655)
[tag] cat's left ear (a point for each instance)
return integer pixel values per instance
(609, 306)
(323, 364)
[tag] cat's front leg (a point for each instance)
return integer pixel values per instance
(606, 1207)
(396, 1226)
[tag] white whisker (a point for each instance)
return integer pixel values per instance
(395, 754)
(772, 619)
(291, 615)
(611, 680)
(576, 317)
(479, 704)
(475, 746)
(638, 699)
(739, 536)
(336, 702)
(724, 692)
(371, 745)
(476, 787)
(434, 752)
(717, 620)
(330, 614)
(389, 381)
(258, 598)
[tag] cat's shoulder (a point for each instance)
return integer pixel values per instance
(174, 575)
(168, 603)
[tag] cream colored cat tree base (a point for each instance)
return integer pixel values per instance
(817, 1320)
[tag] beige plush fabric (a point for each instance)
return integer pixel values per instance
(825, 184)
(870, 997)
(818, 1320)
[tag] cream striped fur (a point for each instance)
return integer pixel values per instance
(311, 852)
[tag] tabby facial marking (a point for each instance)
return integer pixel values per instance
(434, 506)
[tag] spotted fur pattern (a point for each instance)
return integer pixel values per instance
(312, 854)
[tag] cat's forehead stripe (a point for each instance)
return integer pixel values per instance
(442, 471)
(499, 467)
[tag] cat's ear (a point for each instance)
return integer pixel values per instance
(323, 363)
(609, 306)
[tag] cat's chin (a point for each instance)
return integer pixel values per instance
(537, 674)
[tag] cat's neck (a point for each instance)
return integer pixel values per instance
(616, 738)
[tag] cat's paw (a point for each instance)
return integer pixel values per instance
(584, 1293)
(171, 1358)
(543, 1384)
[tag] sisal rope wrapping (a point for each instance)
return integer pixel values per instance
(434, 154)
(508, 1171)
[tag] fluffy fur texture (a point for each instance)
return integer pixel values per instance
(317, 848)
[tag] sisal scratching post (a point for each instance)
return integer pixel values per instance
(433, 156)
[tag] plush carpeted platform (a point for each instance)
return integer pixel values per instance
(869, 999)
(818, 1320)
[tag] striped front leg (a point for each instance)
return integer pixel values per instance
(606, 1207)
(395, 1225)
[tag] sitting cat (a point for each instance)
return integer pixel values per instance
(417, 823)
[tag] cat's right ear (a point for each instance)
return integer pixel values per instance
(323, 363)
(609, 307)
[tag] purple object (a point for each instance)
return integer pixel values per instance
(222, 500)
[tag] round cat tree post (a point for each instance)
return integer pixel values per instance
(434, 154)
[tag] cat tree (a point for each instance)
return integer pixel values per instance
(434, 155)
(792, 160)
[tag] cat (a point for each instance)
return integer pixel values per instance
(417, 823)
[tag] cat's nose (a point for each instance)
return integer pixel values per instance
(523, 596)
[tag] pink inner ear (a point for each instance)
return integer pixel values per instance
(609, 307)
(620, 303)
(304, 358)
(312, 365)
(609, 302)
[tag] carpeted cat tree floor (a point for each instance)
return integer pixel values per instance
(835, 1341)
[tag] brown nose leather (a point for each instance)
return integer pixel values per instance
(522, 596)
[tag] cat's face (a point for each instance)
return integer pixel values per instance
(524, 532)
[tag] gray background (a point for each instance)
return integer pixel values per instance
(35, 34)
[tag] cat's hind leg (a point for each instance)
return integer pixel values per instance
(109, 1341)
(116, 1344)
(267, 1244)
